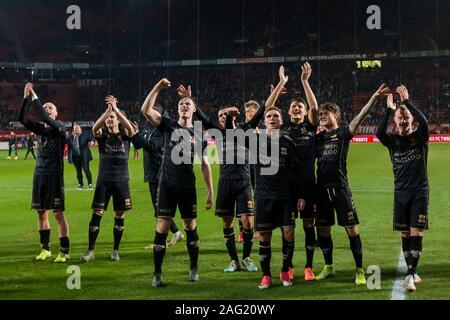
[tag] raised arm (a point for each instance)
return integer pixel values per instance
(207, 177)
(42, 114)
(278, 89)
(377, 96)
(153, 116)
(120, 116)
(382, 134)
(96, 128)
(416, 113)
(310, 97)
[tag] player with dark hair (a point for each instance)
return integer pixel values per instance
(301, 129)
(12, 145)
(113, 132)
(176, 186)
(273, 206)
(333, 190)
(151, 140)
(48, 179)
(408, 150)
(30, 145)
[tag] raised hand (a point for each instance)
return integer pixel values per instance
(283, 77)
(27, 89)
(232, 111)
(163, 84)
(111, 101)
(283, 91)
(403, 92)
(306, 72)
(381, 93)
(183, 92)
(390, 101)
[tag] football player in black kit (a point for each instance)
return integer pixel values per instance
(273, 205)
(113, 132)
(408, 150)
(302, 129)
(176, 186)
(333, 190)
(234, 191)
(151, 140)
(48, 180)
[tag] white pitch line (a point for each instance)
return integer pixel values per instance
(398, 291)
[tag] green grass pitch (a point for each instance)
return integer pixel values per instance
(370, 178)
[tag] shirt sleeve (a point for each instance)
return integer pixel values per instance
(37, 128)
(382, 134)
(347, 135)
(422, 132)
(165, 125)
(309, 126)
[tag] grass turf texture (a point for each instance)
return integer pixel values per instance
(371, 180)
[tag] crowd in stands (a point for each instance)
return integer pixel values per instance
(215, 87)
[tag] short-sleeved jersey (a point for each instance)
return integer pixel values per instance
(331, 152)
(114, 150)
(303, 135)
(182, 173)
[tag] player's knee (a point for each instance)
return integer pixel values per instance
(288, 234)
(352, 231)
(120, 215)
(228, 222)
(415, 232)
(308, 223)
(42, 214)
(325, 232)
(59, 215)
(266, 236)
(163, 225)
(189, 224)
(247, 221)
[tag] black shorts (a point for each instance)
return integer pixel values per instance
(305, 190)
(271, 213)
(48, 192)
(339, 199)
(153, 187)
(119, 191)
(170, 196)
(411, 209)
(234, 194)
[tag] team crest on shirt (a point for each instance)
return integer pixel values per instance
(250, 204)
(422, 219)
(350, 215)
(284, 151)
(303, 131)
